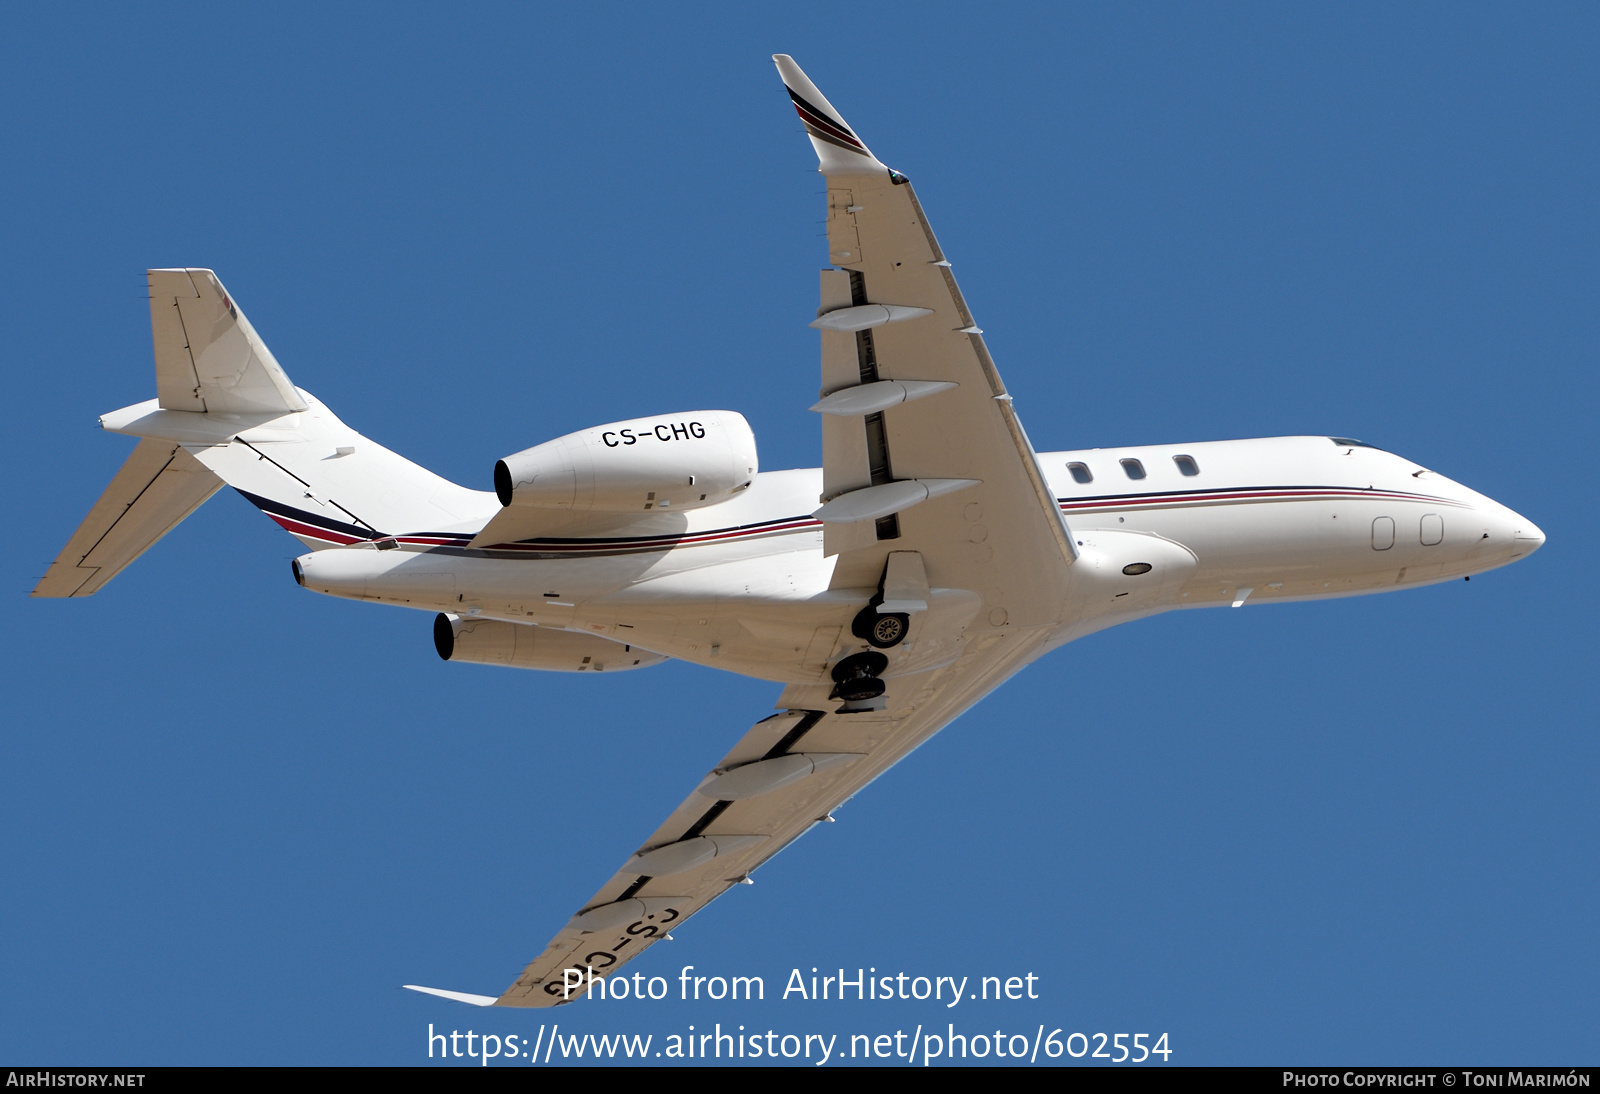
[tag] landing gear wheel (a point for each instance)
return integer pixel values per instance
(880, 631)
(856, 677)
(889, 630)
(860, 689)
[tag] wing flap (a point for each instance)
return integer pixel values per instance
(158, 486)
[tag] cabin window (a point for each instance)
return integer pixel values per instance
(1134, 468)
(1080, 472)
(1186, 465)
(1382, 533)
(1432, 530)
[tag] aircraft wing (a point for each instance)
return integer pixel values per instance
(913, 407)
(932, 495)
(785, 775)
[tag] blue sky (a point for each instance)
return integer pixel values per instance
(237, 815)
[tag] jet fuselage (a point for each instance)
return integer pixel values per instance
(744, 585)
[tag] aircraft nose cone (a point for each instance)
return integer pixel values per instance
(1527, 536)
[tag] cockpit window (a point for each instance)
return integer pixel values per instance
(1134, 468)
(1080, 472)
(1186, 465)
(1350, 442)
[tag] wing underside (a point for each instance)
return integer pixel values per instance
(827, 756)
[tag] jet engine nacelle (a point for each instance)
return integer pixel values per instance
(670, 461)
(524, 646)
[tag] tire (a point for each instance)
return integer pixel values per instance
(888, 630)
(880, 631)
(856, 677)
(859, 689)
(857, 665)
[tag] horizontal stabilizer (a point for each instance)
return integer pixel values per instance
(158, 486)
(458, 996)
(209, 358)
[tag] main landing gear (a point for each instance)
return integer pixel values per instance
(856, 678)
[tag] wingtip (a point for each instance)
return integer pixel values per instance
(839, 149)
(458, 996)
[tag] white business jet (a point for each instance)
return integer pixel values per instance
(933, 554)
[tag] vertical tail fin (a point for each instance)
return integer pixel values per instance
(209, 359)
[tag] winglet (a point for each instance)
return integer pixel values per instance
(839, 150)
(458, 996)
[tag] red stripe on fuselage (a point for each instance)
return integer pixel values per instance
(311, 531)
(802, 524)
(1171, 500)
(692, 539)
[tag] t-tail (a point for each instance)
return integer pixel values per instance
(225, 413)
